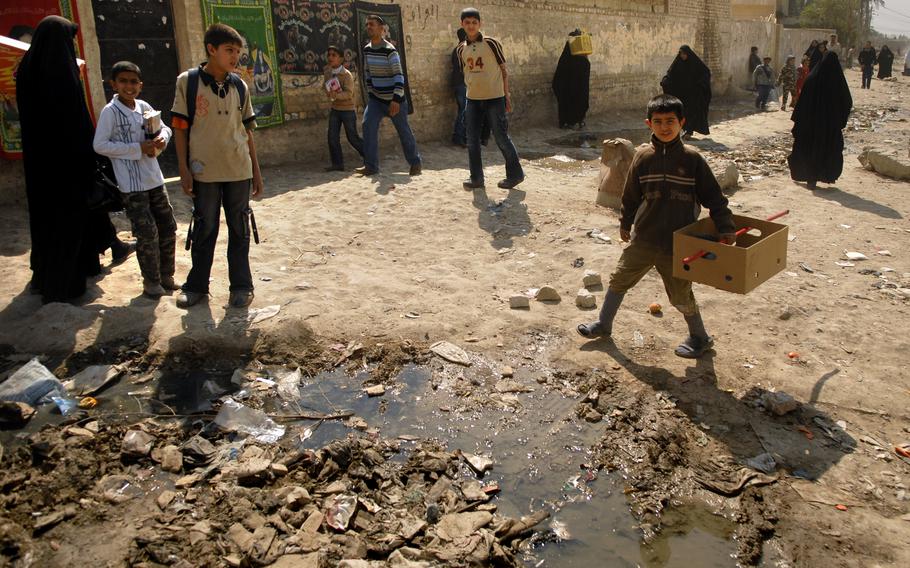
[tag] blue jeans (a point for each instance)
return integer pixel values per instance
(375, 111)
(762, 100)
(348, 119)
(494, 111)
(234, 196)
(867, 76)
(459, 132)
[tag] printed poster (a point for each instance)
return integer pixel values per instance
(394, 34)
(18, 21)
(258, 60)
(305, 30)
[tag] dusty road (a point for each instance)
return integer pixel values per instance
(397, 258)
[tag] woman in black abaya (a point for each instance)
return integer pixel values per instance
(689, 80)
(59, 165)
(571, 84)
(818, 121)
(885, 62)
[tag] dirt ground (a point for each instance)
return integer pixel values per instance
(395, 259)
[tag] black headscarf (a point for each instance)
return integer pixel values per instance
(689, 80)
(885, 62)
(815, 54)
(819, 118)
(59, 162)
(571, 84)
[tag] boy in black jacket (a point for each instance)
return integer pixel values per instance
(667, 183)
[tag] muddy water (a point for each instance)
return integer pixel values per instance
(539, 457)
(539, 448)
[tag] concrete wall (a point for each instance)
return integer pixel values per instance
(634, 43)
(771, 39)
(753, 9)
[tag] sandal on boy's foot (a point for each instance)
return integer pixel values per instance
(694, 347)
(471, 185)
(334, 169)
(415, 170)
(187, 299)
(167, 282)
(153, 289)
(366, 171)
(592, 330)
(241, 299)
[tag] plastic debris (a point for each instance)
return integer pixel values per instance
(855, 256)
(92, 379)
(66, 405)
(638, 339)
(30, 384)
(257, 315)
(764, 463)
(236, 417)
(88, 402)
(340, 510)
(451, 353)
(137, 443)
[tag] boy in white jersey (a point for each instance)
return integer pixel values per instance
(121, 136)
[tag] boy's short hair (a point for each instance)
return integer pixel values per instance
(470, 13)
(766, 58)
(334, 48)
(376, 18)
(663, 104)
(754, 48)
(124, 67)
(220, 34)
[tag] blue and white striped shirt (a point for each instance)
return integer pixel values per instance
(383, 73)
(117, 136)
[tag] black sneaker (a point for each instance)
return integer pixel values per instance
(335, 169)
(187, 299)
(241, 299)
(471, 185)
(509, 183)
(365, 171)
(416, 170)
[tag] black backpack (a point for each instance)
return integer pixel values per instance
(192, 87)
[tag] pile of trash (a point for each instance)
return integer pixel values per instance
(767, 157)
(243, 488)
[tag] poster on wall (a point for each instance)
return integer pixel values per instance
(253, 19)
(18, 22)
(394, 34)
(304, 30)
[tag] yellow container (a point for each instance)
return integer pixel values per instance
(581, 44)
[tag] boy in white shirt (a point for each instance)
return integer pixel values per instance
(121, 136)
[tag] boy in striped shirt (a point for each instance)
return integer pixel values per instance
(385, 87)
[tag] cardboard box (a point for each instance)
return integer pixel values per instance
(757, 256)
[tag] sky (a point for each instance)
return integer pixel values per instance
(894, 18)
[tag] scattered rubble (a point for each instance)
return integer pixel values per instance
(585, 299)
(519, 302)
(547, 294)
(887, 163)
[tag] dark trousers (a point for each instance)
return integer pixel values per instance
(494, 111)
(460, 130)
(210, 196)
(348, 119)
(867, 76)
(152, 219)
(761, 101)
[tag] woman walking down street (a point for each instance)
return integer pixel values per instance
(818, 121)
(689, 80)
(885, 62)
(571, 85)
(59, 162)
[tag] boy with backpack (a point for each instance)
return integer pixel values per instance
(213, 123)
(121, 136)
